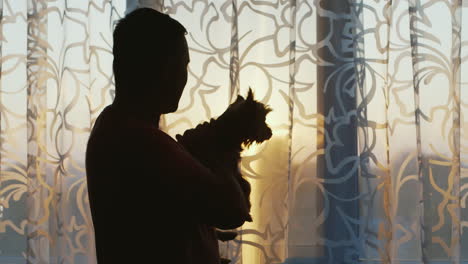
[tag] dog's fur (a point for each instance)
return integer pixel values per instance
(223, 139)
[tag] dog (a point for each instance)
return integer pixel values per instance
(223, 140)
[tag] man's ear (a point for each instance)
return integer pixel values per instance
(250, 95)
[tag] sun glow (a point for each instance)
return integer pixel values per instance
(261, 161)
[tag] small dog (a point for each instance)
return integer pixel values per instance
(224, 138)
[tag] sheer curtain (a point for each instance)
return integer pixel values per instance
(368, 161)
(56, 77)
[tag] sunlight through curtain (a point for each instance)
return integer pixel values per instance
(368, 162)
(56, 61)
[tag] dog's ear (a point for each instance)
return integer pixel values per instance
(250, 95)
(239, 99)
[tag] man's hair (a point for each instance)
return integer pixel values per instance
(144, 41)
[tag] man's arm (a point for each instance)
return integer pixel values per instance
(210, 197)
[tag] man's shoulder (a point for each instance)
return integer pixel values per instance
(112, 123)
(110, 127)
(103, 121)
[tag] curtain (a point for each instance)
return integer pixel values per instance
(56, 77)
(368, 159)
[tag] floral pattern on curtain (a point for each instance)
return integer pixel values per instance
(368, 161)
(56, 61)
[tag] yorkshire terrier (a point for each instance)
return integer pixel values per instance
(241, 125)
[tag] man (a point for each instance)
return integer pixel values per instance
(151, 201)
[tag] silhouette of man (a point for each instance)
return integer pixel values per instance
(151, 201)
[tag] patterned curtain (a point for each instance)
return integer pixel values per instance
(56, 77)
(368, 162)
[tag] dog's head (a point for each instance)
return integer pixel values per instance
(247, 117)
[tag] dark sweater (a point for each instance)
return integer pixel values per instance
(151, 201)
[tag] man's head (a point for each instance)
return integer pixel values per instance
(150, 60)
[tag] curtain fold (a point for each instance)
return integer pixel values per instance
(40, 195)
(368, 159)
